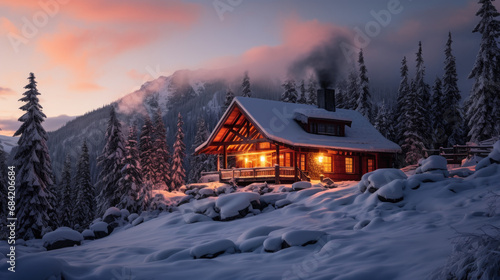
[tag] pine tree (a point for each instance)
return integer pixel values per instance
(401, 104)
(111, 163)
(383, 121)
(33, 169)
(484, 113)
(312, 98)
(364, 103)
(146, 150)
(66, 206)
(229, 98)
(3, 192)
(245, 86)
(439, 138)
(290, 93)
(85, 192)
(178, 171)
(302, 97)
(453, 116)
(413, 144)
(161, 156)
(200, 162)
(351, 98)
(340, 94)
(422, 90)
(130, 183)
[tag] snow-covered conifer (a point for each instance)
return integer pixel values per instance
(85, 193)
(66, 205)
(423, 95)
(483, 114)
(245, 86)
(111, 163)
(302, 96)
(178, 171)
(161, 156)
(383, 121)
(146, 150)
(312, 97)
(290, 93)
(401, 104)
(439, 137)
(364, 103)
(201, 162)
(33, 168)
(352, 93)
(229, 98)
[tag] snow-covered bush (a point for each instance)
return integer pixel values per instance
(493, 157)
(392, 192)
(475, 256)
(373, 181)
(62, 237)
(434, 165)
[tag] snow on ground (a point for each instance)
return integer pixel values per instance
(338, 233)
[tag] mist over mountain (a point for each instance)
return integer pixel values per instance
(194, 94)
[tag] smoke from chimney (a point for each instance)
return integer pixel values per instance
(327, 61)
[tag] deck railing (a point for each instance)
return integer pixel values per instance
(257, 172)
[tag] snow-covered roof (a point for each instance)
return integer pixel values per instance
(276, 121)
(302, 114)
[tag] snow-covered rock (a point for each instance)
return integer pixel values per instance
(137, 221)
(88, 234)
(101, 229)
(213, 249)
(302, 237)
(416, 180)
(132, 217)
(257, 231)
(297, 186)
(273, 244)
(373, 181)
(392, 192)
(234, 205)
(113, 217)
(252, 244)
(282, 203)
(493, 157)
(191, 218)
(434, 164)
(61, 237)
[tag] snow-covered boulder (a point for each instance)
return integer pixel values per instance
(493, 157)
(88, 234)
(113, 217)
(257, 231)
(373, 181)
(434, 165)
(205, 192)
(213, 249)
(301, 237)
(416, 180)
(235, 205)
(191, 218)
(273, 244)
(101, 229)
(282, 203)
(252, 244)
(132, 217)
(392, 192)
(297, 186)
(138, 220)
(62, 237)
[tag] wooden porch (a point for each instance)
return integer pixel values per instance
(276, 175)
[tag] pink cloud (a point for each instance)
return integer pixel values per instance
(4, 91)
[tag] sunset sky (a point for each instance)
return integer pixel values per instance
(89, 53)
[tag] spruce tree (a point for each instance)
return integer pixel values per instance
(3, 192)
(439, 138)
(290, 93)
(130, 183)
(453, 116)
(111, 163)
(312, 97)
(245, 86)
(161, 156)
(340, 94)
(383, 121)
(85, 192)
(146, 150)
(66, 209)
(413, 144)
(178, 171)
(351, 98)
(229, 98)
(200, 162)
(302, 97)
(364, 103)
(422, 90)
(401, 104)
(484, 112)
(33, 168)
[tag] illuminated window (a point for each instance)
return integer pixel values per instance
(349, 167)
(264, 145)
(288, 159)
(371, 166)
(327, 164)
(303, 162)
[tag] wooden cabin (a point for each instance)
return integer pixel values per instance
(260, 140)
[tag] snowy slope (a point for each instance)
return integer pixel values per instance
(360, 237)
(8, 142)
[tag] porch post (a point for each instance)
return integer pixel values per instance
(376, 161)
(224, 163)
(296, 166)
(218, 162)
(277, 166)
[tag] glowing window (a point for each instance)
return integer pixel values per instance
(349, 167)
(327, 164)
(303, 162)
(370, 164)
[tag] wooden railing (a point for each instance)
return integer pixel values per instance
(303, 176)
(459, 152)
(257, 172)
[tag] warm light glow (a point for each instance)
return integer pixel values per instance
(262, 158)
(246, 160)
(320, 159)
